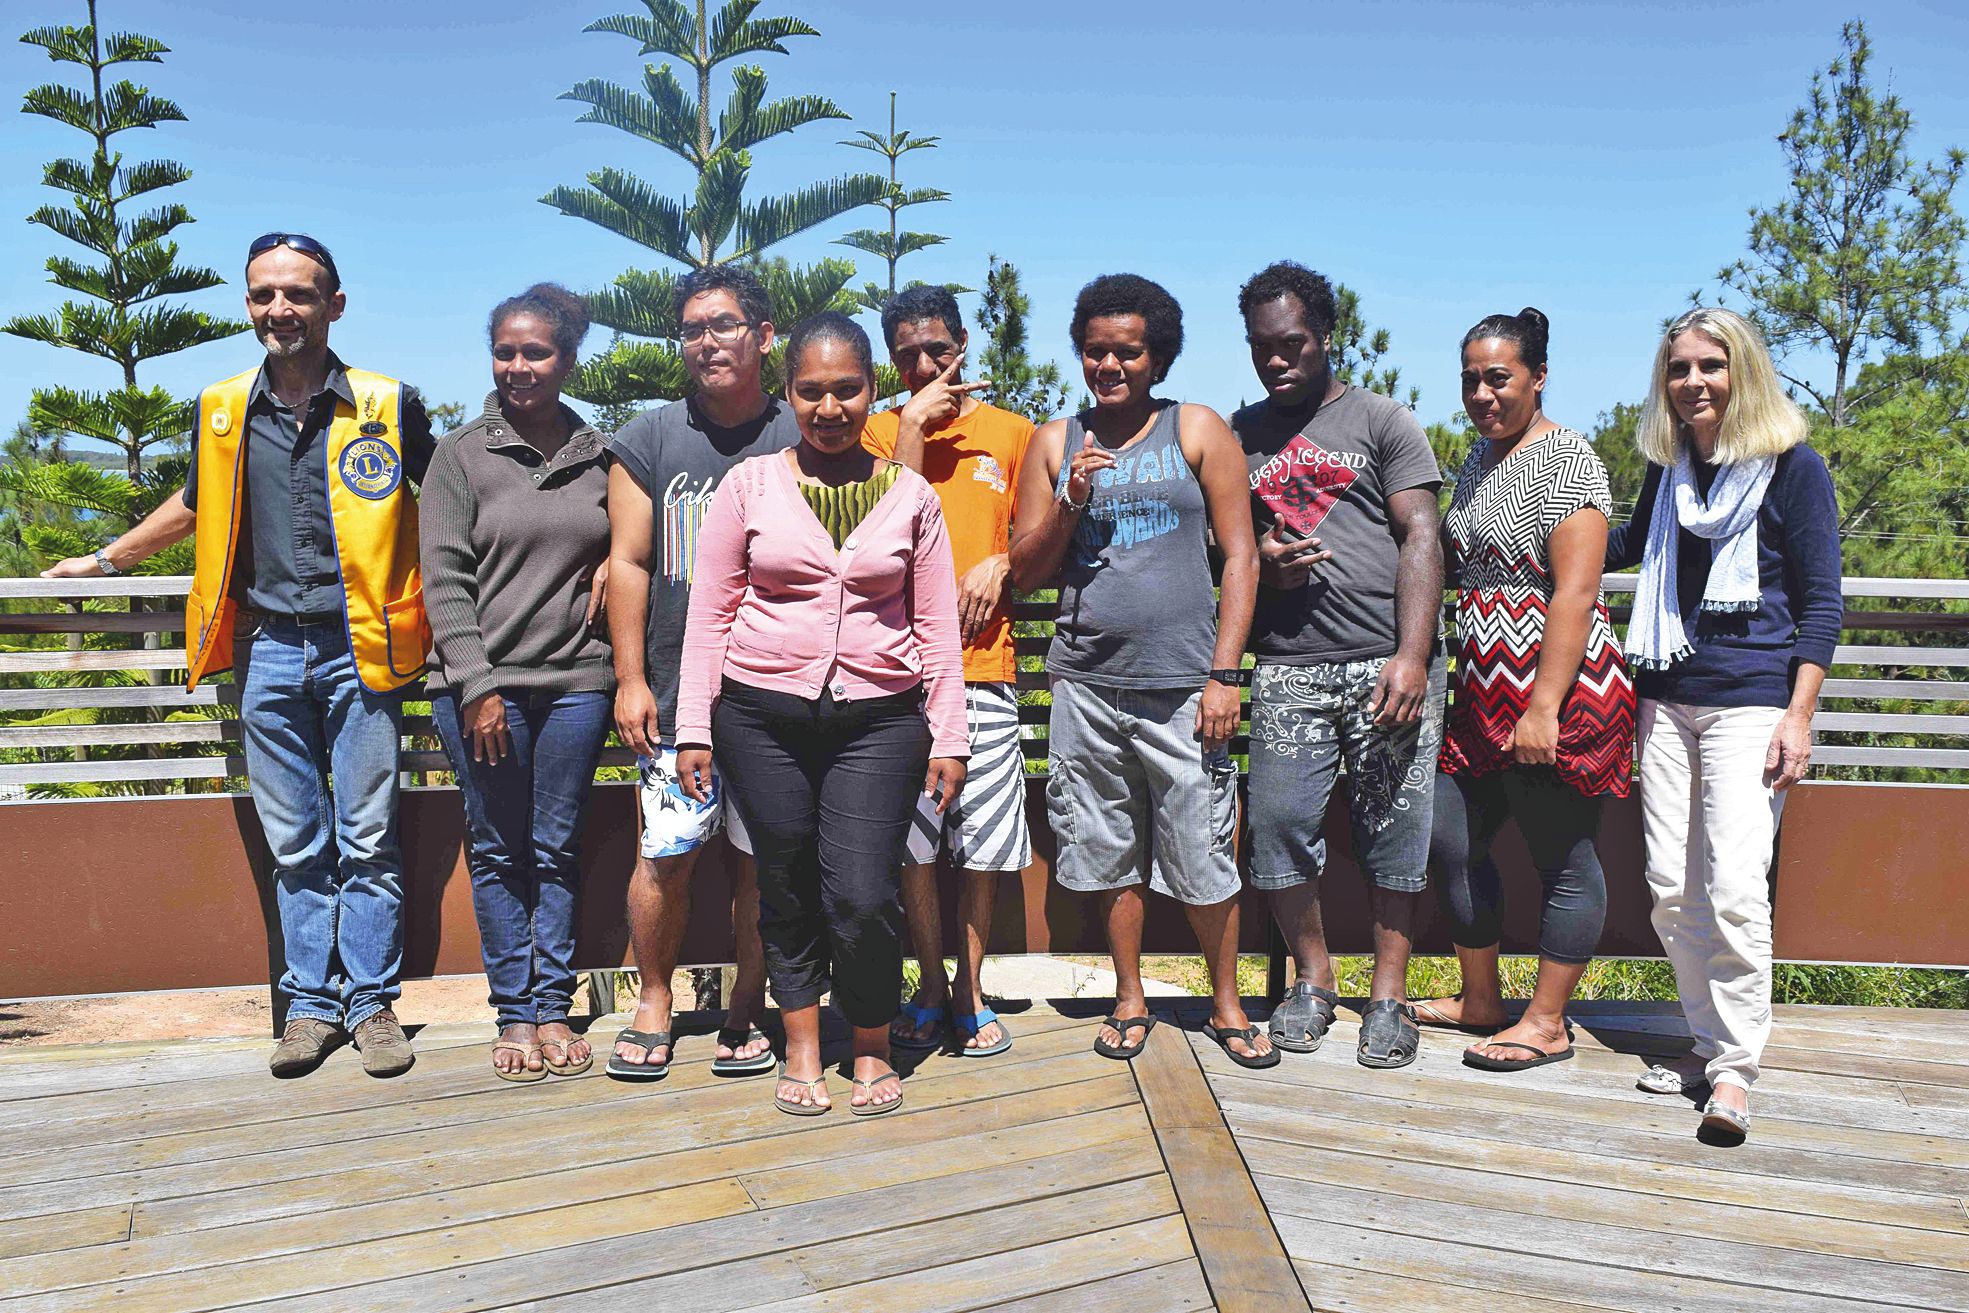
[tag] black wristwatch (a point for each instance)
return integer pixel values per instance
(1234, 678)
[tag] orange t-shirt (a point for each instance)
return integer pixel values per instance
(974, 466)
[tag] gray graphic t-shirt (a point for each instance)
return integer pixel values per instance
(1331, 478)
(679, 457)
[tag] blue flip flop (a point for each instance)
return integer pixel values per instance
(972, 1022)
(918, 1018)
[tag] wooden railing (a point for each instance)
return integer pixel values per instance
(139, 730)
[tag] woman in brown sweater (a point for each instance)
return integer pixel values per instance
(515, 549)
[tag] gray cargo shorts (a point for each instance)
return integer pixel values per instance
(1305, 722)
(1133, 796)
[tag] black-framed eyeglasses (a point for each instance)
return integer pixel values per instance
(301, 242)
(722, 331)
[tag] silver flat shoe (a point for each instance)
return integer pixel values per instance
(1665, 1080)
(1721, 1120)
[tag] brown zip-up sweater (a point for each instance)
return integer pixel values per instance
(510, 544)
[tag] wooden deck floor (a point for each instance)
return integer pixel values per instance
(180, 1176)
(1567, 1188)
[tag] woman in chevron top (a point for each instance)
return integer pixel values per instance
(1736, 616)
(1541, 726)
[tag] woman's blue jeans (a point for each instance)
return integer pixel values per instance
(523, 842)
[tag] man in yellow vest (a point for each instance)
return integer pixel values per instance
(307, 586)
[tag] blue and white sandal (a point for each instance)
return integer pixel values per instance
(970, 1023)
(919, 1017)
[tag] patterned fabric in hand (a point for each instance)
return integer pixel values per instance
(1499, 526)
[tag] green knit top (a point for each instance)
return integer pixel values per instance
(841, 508)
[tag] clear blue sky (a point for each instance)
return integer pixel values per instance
(1446, 160)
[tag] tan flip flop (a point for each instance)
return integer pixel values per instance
(793, 1107)
(868, 1087)
(564, 1067)
(525, 1075)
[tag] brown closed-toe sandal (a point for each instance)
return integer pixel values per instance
(385, 1048)
(304, 1045)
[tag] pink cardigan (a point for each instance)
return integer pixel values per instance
(775, 606)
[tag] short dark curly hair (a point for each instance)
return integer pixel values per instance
(914, 305)
(1132, 294)
(1290, 278)
(564, 312)
(742, 283)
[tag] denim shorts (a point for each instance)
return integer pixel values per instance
(1306, 722)
(1133, 795)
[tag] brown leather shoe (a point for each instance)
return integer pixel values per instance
(303, 1045)
(385, 1048)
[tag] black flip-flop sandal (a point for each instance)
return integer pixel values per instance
(1389, 1035)
(1483, 1062)
(733, 1038)
(1300, 1022)
(647, 1040)
(1124, 1052)
(1249, 1034)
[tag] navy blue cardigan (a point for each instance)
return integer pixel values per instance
(1748, 659)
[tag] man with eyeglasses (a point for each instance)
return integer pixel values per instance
(307, 587)
(667, 463)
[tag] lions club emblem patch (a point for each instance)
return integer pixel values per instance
(370, 468)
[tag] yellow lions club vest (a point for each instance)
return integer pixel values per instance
(370, 506)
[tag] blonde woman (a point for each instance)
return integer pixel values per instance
(1736, 532)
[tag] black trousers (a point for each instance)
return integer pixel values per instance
(1559, 824)
(827, 790)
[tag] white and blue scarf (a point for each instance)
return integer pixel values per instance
(1728, 519)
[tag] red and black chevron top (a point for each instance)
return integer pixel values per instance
(1500, 524)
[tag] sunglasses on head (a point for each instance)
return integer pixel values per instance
(301, 242)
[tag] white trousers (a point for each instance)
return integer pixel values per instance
(1711, 822)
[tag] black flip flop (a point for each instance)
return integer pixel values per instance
(1249, 1034)
(647, 1040)
(1389, 1036)
(1472, 1058)
(1118, 1051)
(733, 1038)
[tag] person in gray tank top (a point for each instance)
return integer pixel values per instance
(1117, 507)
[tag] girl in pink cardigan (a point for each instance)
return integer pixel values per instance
(823, 669)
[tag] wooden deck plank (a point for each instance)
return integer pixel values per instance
(517, 1278)
(462, 1070)
(980, 1283)
(1495, 1276)
(1243, 1262)
(1615, 1139)
(1482, 1152)
(62, 1232)
(1599, 1104)
(1446, 1183)
(782, 1167)
(994, 1104)
(531, 1113)
(999, 1232)
(1357, 1290)
(1171, 1288)
(1530, 1228)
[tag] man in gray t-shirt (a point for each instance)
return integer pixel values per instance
(667, 464)
(1343, 488)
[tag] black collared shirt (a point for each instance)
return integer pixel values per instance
(287, 563)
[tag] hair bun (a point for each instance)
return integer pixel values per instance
(570, 307)
(1535, 319)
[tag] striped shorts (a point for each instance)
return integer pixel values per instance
(986, 827)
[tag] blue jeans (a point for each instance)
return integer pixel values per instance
(522, 826)
(305, 719)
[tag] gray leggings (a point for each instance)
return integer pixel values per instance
(1559, 825)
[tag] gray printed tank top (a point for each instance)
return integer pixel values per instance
(1137, 606)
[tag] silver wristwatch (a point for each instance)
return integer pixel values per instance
(103, 563)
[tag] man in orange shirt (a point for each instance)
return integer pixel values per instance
(970, 452)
